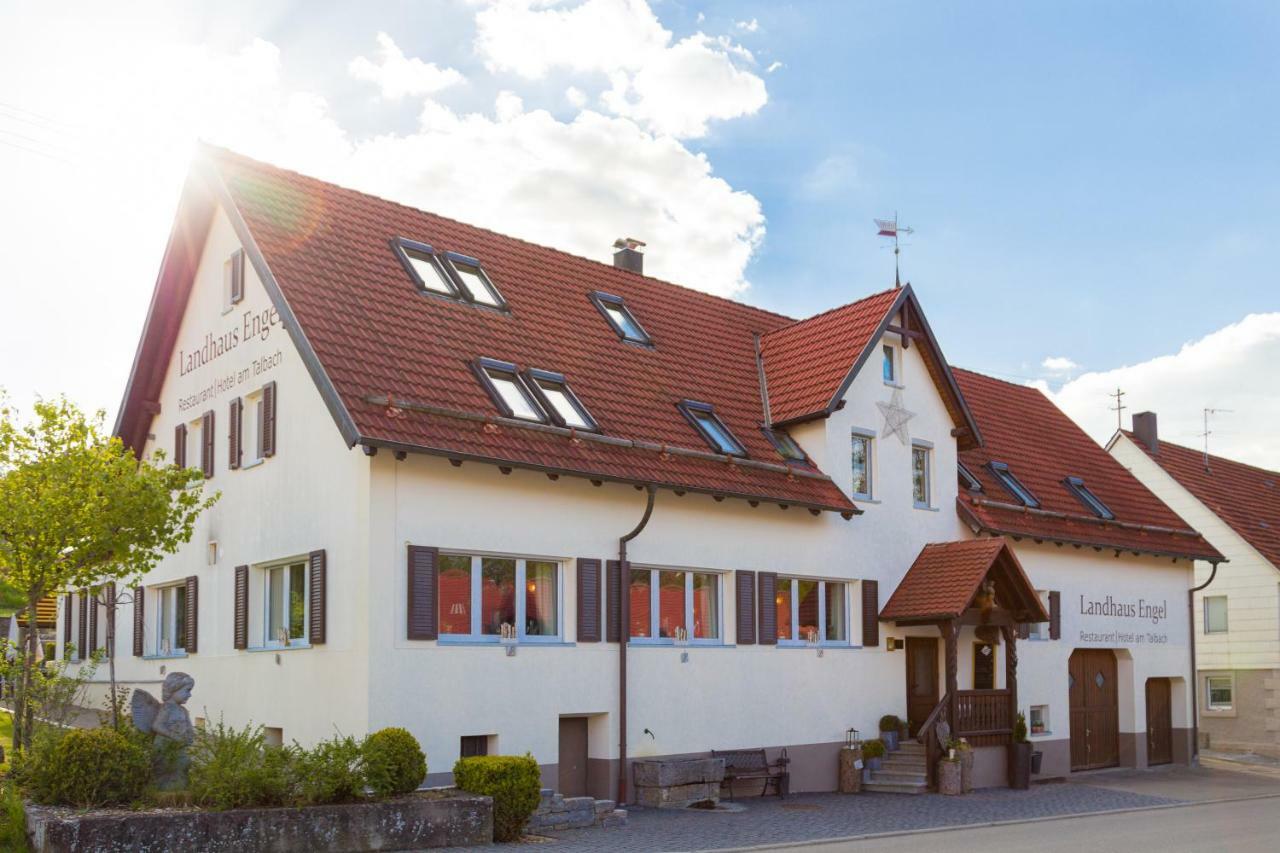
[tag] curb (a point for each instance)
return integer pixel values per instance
(842, 839)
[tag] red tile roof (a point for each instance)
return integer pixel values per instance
(944, 577)
(1246, 498)
(1042, 446)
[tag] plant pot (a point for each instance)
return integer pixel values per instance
(949, 778)
(873, 763)
(890, 740)
(1020, 766)
(1035, 762)
(966, 769)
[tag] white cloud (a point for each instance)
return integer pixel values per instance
(832, 176)
(750, 26)
(397, 75)
(1233, 368)
(670, 88)
(575, 97)
(773, 66)
(1059, 364)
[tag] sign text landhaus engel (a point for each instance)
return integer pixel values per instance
(254, 324)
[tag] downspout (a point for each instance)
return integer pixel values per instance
(624, 629)
(1195, 684)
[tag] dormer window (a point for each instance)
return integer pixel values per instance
(620, 318)
(426, 267)
(507, 388)
(1076, 486)
(447, 274)
(713, 430)
(474, 281)
(559, 400)
(784, 444)
(1012, 484)
(967, 480)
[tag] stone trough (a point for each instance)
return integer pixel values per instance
(678, 783)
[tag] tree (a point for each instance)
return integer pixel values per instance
(78, 510)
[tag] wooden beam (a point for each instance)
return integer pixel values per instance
(951, 636)
(974, 616)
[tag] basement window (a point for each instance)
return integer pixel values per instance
(784, 444)
(967, 480)
(1012, 484)
(426, 267)
(704, 419)
(1076, 486)
(559, 400)
(508, 390)
(620, 317)
(473, 280)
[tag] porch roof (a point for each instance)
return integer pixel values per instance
(944, 578)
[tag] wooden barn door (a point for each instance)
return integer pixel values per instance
(1159, 721)
(1095, 709)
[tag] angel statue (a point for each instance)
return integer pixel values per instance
(169, 721)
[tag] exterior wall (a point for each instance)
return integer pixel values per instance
(1253, 723)
(312, 494)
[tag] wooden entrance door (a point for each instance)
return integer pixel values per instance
(1095, 709)
(573, 756)
(922, 679)
(1159, 721)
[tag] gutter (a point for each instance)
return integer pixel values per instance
(624, 629)
(1195, 687)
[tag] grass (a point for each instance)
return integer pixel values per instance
(6, 739)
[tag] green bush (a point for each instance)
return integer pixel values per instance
(1020, 729)
(889, 723)
(13, 820)
(332, 771)
(234, 768)
(513, 781)
(873, 748)
(393, 762)
(87, 767)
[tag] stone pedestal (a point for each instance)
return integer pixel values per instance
(850, 781)
(949, 777)
(679, 783)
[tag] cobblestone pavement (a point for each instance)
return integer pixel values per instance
(805, 817)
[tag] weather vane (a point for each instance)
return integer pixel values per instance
(891, 228)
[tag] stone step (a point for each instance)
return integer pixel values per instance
(891, 777)
(889, 788)
(903, 763)
(910, 746)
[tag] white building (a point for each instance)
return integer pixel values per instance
(434, 443)
(1237, 615)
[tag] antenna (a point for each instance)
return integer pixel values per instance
(1118, 407)
(1208, 433)
(891, 228)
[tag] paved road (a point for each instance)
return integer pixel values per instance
(1241, 826)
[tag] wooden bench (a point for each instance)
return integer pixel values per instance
(752, 765)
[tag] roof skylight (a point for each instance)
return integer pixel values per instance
(508, 390)
(1012, 484)
(447, 274)
(474, 281)
(559, 400)
(712, 429)
(784, 444)
(967, 479)
(1076, 486)
(620, 317)
(425, 267)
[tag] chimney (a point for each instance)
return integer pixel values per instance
(628, 256)
(1144, 430)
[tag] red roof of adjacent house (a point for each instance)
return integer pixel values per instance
(1042, 447)
(945, 576)
(1246, 498)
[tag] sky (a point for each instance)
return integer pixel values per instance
(1094, 187)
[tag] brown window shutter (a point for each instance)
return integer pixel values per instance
(110, 593)
(870, 613)
(241, 627)
(83, 639)
(613, 606)
(1055, 615)
(206, 444)
(180, 445)
(93, 622)
(267, 424)
(423, 620)
(139, 619)
(66, 623)
(319, 584)
(234, 450)
(746, 606)
(191, 642)
(588, 600)
(237, 275)
(767, 608)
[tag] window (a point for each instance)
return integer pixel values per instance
(426, 268)
(967, 480)
(920, 475)
(674, 605)
(476, 285)
(559, 400)
(492, 598)
(984, 666)
(811, 611)
(508, 390)
(1076, 486)
(171, 620)
(1012, 484)
(862, 465)
(620, 318)
(286, 604)
(713, 430)
(233, 280)
(1039, 721)
(890, 375)
(447, 274)
(1215, 614)
(1218, 692)
(1040, 630)
(784, 444)
(472, 745)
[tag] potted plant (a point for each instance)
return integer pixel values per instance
(1021, 765)
(889, 725)
(949, 774)
(964, 752)
(873, 754)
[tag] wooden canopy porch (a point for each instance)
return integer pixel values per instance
(953, 585)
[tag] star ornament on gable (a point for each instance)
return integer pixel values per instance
(895, 417)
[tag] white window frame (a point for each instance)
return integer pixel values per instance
(1209, 704)
(270, 642)
(1043, 710)
(889, 363)
(654, 615)
(797, 641)
(477, 586)
(927, 450)
(869, 437)
(169, 591)
(1226, 615)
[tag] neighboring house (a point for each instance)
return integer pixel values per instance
(1237, 616)
(515, 500)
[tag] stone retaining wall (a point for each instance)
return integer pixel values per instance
(556, 811)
